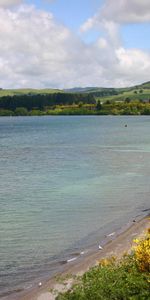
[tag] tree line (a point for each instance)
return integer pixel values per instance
(104, 92)
(65, 104)
(40, 101)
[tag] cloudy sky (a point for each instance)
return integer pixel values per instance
(68, 43)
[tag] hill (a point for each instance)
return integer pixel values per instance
(140, 92)
(145, 85)
(16, 92)
(88, 100)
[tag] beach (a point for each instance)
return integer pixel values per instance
(114, 247)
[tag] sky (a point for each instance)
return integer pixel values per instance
(72, 43)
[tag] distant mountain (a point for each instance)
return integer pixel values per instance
(80, 89)
(145, 85)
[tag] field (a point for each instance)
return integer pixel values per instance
(14, 92)
(132, 95)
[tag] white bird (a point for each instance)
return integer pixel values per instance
(111, 234)
(40, 284)
(100, 248)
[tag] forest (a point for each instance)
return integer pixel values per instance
(78, 101)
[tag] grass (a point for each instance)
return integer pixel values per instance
(123, 93)
(127, 94)
(13, 92)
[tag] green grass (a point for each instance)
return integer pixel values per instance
(123, 93)
(115, 281)
(11, 92)
(127, 94)
(130, 92)
(145, 85)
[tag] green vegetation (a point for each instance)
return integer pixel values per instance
(128, 279)
(125, 108)
(108, 108)
(138, 92)
(29, 92)
(44, 103)
(89, 101)
(132, 95)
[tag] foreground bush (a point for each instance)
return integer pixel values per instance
(142, 253)
(127, 279)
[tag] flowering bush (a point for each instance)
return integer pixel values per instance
(142, 253)
(126, 279)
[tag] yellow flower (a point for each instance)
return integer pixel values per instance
(142, 253)
(136, 241)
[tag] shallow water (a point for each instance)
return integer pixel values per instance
(65, 183)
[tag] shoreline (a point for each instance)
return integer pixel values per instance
(116, 246)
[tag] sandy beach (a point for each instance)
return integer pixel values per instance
(63, 281)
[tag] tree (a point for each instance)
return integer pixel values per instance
(127, 100)
(98, 105)
(21, 111)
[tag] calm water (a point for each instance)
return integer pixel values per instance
(65, 182)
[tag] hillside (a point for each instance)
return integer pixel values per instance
(16, 92)
(145, 85)
(141, 91)
(91, 100)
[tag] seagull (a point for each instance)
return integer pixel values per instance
(100, 248)
(111, 234)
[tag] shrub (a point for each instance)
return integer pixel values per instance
(127, 279)
(142, 253)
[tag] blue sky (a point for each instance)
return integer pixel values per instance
(74, 13)
(68, 43)
(136, 36)
(71, 12)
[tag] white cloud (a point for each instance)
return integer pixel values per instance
(121, 12)
(36, 51)
(132, 66)
(87, 25)
(8, 3)
(126, 66)
(126, 11)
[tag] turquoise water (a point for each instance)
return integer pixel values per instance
(65, 183)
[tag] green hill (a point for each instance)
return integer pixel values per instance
(13, 92)
(138, 92)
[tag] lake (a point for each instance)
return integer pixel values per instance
(66, 182)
